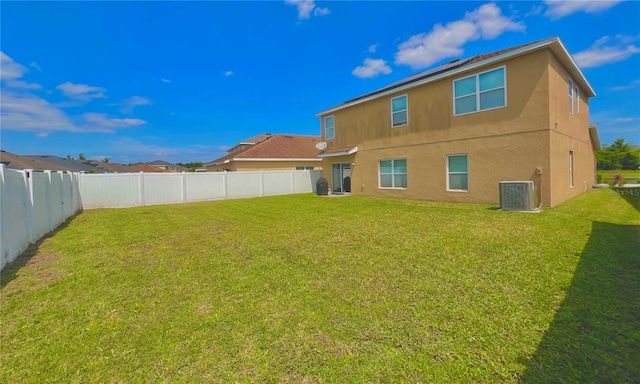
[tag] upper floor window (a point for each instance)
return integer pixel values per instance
(399, 111)
(480, 92)
(329, 131)
(571, 96)
(577, 91)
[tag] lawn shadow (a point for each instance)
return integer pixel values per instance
(10, 271)
(630, 194)
(595, 335)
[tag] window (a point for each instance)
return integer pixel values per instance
(571, 96)
(329, 132)
(577, 91)
(571, 169)
(399, 111)
(393, 173)
(480, 92)
(457, 173)
(304, 168)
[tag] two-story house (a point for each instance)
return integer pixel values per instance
(454, 132)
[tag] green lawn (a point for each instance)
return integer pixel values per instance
(343, 290)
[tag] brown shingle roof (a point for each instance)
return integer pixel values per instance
(14, 161)
(277, 147)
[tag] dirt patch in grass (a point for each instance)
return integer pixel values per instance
(35, 266)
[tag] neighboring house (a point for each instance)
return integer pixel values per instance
(101, 166)
(66, 164)
(165, 166)
(249, 142)
(147, 168)
(276, 152)
(454, 132)
(13, 161)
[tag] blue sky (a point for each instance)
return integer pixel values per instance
(139, 81)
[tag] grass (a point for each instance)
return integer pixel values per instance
(309, 289)
(607, 176)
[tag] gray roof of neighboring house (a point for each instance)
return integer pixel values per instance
(13, 161)
(160, 162)
(69, 165)
(251, 141)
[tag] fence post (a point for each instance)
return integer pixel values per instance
(61, 202)
(49, 199)
(141, 188)
(184, 187)
(226, 185)
(4, 203)
(27, 176)
(262, 182)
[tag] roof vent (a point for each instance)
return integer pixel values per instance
(288, 136)
(453, 61)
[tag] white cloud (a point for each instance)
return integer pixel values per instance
(560, 8)
(81, 92)
(607, 50)
(35, 65)
(371, 68)
(631, 85)
(321, 11)
(425, 49)
(372, 48)
(535, 11)
(165, 80)
(132, 102)
(128, 148)
(24, 112)
(228, 73)
(99, 122)
(306, 8)
(11, 73)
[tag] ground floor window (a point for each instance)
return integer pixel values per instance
(457, 173)
(393, 173)
(571, 168)
(304, 168)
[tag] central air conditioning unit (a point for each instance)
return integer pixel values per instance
(516, 196)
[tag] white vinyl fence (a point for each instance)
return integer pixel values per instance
(31, 205)
(120, 190)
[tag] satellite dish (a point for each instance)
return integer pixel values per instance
(321, 146)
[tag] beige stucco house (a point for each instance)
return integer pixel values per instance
(454, 132)
(270, 153)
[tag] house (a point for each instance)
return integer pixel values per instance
(275, 152)
(453, 133)
(101, 166)
(13, 161)
(166, 166)
(66, 164)
(249, 142)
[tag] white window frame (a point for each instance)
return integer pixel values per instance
(402, 110)
(577, 92)
(571, 96)
(477, 77)
(457, 173)
(333, 127)
(570, 169)
(392, 173)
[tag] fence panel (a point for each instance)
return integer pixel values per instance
(67, 196)
(15, 228)
(277, 183)
(55, 196)
(163, 188)
(205, 186)
(243, 184)
(114, 190)
(41, 207)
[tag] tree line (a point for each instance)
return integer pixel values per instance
(619, 155)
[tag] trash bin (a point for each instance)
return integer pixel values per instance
(322, 186)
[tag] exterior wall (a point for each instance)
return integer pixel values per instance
(502, 144)
(244, 166)
(490, 160)
(569, 132)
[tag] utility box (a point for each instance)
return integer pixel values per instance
(322, 187)
(516, 196)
